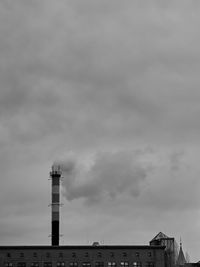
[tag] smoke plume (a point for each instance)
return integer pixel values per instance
(110, 175)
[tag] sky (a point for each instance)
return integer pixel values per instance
(110, 91)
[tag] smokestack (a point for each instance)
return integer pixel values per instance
(55, 204)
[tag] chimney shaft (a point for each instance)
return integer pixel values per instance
(55, 204)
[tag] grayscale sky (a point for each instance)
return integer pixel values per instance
(111, 91)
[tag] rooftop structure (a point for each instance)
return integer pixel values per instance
(181, 258)
(170, 247)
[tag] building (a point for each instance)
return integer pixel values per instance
(82, 256)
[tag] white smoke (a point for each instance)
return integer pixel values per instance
(110, 175)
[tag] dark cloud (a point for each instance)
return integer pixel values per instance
(109, 176)
(160, 179)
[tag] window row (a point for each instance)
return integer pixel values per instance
(84, 264)
(139, 264)
(74, 254)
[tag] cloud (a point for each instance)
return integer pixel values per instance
(157, 179)
(104, 75)
(175, 160)
(111, 175)
(173, 187)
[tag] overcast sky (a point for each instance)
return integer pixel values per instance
(110, 90)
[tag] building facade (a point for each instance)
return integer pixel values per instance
(82, 256)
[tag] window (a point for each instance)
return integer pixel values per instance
(48, 255)
(99, 254)
(8, 255)
(8, 264)
(35, 254)
(112, 264)
(61, 264)
(73, 264)
(86, 264)
(60, 255)
(73, 255)
(149, 254)
(47, 264)
(21, 255)
(137, 264)
(86, 254)
(35, 264)
(124, 254)
(99, 264)
(21, 264)
(137, 254)
(150, 264)
(124, 264)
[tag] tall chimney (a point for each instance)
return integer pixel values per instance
(55, 204)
